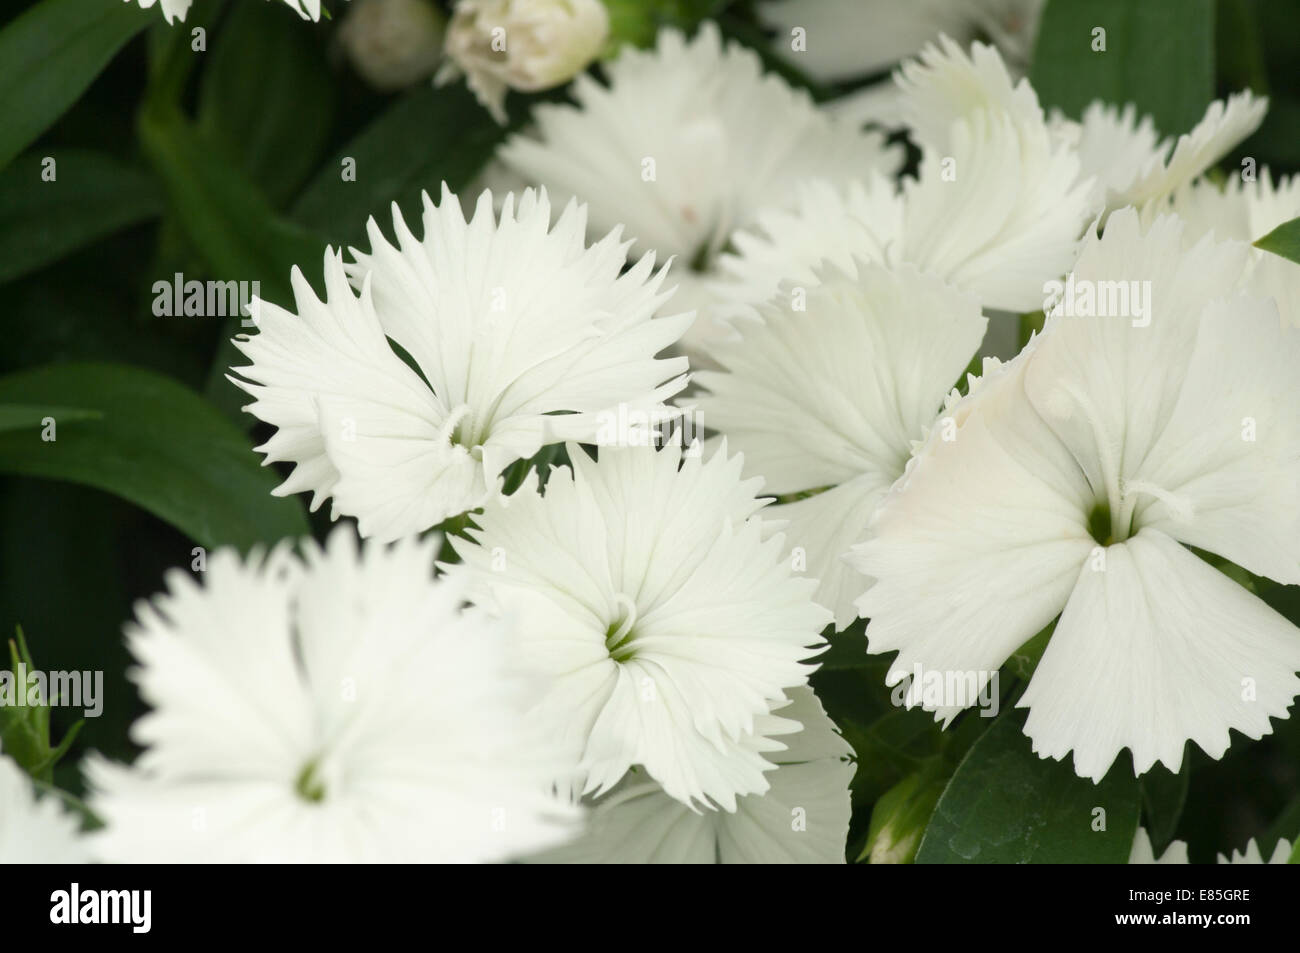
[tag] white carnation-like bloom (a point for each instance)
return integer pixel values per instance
(1247, 211)
(1252, 854)
(528, 45)
(802, 819)
(1077, 476)
(663, 616)
(687, 144)
(173, 10)
(342, 707)
(997, 209)
(1133, 165)
(35, 829)
(828, 393)
(522, 335)
(1143, 853)
(843, 39)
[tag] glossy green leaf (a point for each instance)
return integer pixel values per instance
(156, 444)
(50, 54)
(1004, 804)
(224, 214)
(267, 96)
(1158, 54)
(426, 137)
(20, 416)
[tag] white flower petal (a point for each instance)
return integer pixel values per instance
(35, 829)
(1253, 855)
(1225, 125)
(1228, 459)
(999, 214)
(1156, 649)
(977, 547)
(1175, 853)
(825, 527)
(944, 84)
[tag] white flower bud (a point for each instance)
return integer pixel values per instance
(528, 45)
(392, 43)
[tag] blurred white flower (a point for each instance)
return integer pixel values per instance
(1075, 479)
(689, 142)
(522, 336)
(802, 819)
(392, 43)
(845, 39)
(338, 708)
(663, 616)
(997, 209)
(528, 45)
(1247, 211)
(1252, 855)
(829, 391)
(1133, 165)
(35, 829)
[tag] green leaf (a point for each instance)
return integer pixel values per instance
(230, 223)
(267, 95)
(1004, 804)
(224, 214)
(92, 195)
(19, 416)
(50, 54)
(157, 445)
(1159, 54)
(1283, 240)
(425, 138)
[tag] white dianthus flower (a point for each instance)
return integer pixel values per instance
(997, 209)
(663, 616)
(687, 144)
(339, 708)
(1077, 476)
(522, 335)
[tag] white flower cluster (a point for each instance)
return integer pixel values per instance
(611, 660)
